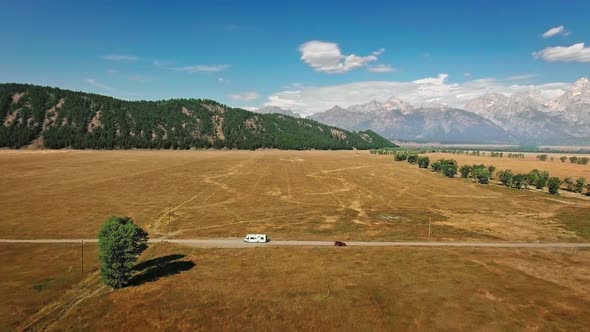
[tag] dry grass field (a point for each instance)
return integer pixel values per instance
(347, 195)
(186, 289)
(33, 276)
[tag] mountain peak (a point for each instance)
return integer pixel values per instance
(394, 103)
(531, 98)
(276, 110)
(436, 104)
(336, 108)
(371, 106)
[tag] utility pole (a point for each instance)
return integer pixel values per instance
(429, 222)
(169, 207)
(82, 255)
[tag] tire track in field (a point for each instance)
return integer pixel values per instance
(178, 232)
(50, 314)
(219, 185)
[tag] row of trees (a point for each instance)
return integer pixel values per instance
(480, 173)
(483, 174)
(576, 160)
(412, 158)
(516, 155)
(447, 167)
(540, 180)
(578, 186)
(563, 159)
(395, 150)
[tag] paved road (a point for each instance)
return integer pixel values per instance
(238, 243)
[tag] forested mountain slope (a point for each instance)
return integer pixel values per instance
(53, 118)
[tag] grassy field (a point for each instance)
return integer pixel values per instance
(33, 276)
(182, 288)
(347, 195)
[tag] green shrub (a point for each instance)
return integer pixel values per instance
(506, 177)
(465, 170)
(553, 185)
(400, 156)
(482, 175)
(423, 162)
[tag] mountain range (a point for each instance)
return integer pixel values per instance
(524, 117)
(35, 116)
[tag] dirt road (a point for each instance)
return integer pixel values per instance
(239, 243)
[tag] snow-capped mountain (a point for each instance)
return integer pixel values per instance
(530, 117)
(278, 110)
(368, 107)
(524, 117)
(395, 118)
(575, 103)
(394, 103)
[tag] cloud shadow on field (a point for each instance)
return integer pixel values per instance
(161, 267)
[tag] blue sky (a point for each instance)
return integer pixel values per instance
(303, 55)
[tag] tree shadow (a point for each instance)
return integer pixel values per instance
(160, 267)
(156, 261)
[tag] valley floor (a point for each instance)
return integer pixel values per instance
(313, 195)
(290, 195)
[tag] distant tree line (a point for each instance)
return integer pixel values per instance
(482, 174)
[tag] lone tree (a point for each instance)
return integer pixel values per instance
(120, 242)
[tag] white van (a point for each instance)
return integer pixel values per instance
(255, 238)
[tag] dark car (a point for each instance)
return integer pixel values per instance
(339, 244)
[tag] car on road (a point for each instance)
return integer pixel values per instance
(256, 238)
(339, 244)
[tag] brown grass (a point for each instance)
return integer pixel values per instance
(341, 195)
(34, 275)
(345, 289)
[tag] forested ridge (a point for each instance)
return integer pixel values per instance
(48, 117)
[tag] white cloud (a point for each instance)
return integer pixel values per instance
(379, 52)
(202, 68)
(574, 53)
(112, 90)
(560, 30)
(381, 69)
(222, 80)
(249, 108)
(245, 96)
(120, 57)
(466, 74)
(311, 99)
(521, 77)
(326, 57)
(99, 85)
